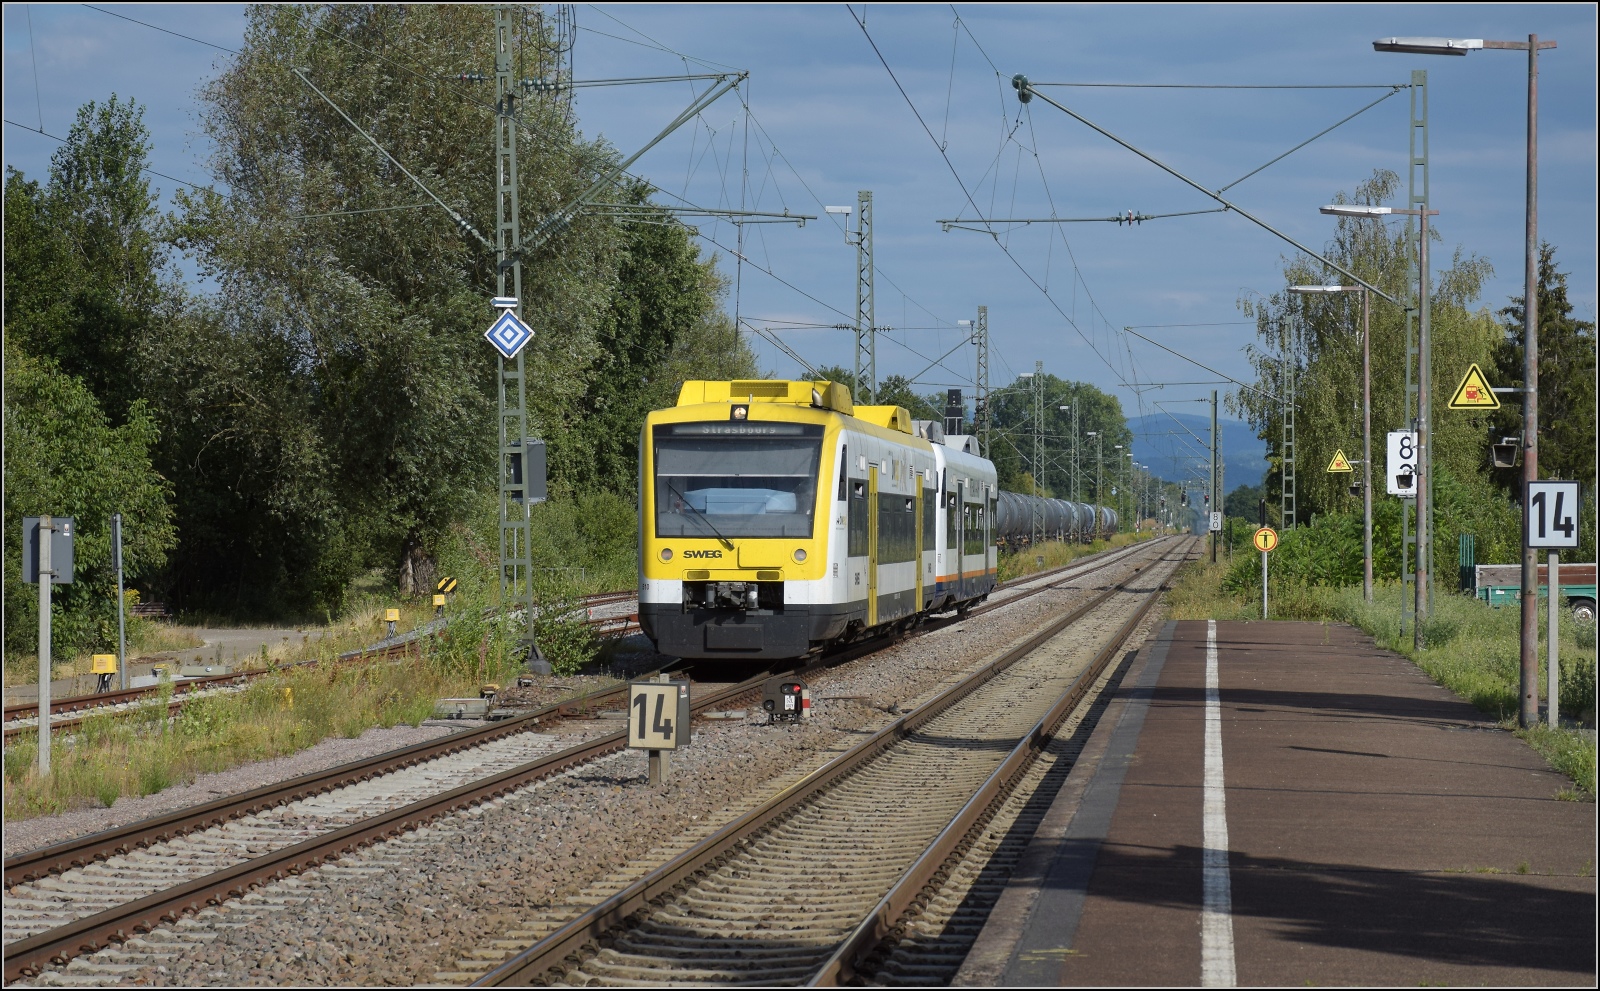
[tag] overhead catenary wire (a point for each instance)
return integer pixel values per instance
(962, 184)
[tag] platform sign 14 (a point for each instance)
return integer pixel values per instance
(1550, 513)
(658, 715)
(1402, 463)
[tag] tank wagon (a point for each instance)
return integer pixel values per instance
(777, 518)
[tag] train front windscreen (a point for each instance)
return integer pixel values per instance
(736, 479)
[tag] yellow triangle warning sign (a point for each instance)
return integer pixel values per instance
(1474, 391)
(1339, 462)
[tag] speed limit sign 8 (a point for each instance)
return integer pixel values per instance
(1551, 514)
(1402, 463)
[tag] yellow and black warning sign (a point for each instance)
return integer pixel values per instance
(1474, 392)
(1265, 539)
(447, 585)
(1339, 462)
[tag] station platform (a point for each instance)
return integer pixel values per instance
(1348, 822)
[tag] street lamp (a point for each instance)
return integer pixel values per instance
(1529, 712)
(1133, 499)
(1097, 464)
(1366, 426)
(1124, 491)
(1074, 407)
(1424, 401)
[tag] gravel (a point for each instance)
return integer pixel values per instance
(30, 834)
(403, 911)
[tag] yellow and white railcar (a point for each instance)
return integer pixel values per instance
(777, 517)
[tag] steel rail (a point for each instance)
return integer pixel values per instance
(605, 627)
(526, 967)
(27, 957)
(68, 854)
(842, 966)
(58, 857)
(75, 703)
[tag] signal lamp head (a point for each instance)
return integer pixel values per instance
(1504, 454)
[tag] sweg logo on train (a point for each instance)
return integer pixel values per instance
(702, 553)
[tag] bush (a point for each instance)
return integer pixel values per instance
(558, 627)
(1578, 686)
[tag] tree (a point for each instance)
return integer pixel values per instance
(1566, 392)
(85, 256)
(1011, 426)
(352, 420)
(656, 333)
(1316, 339)
(64, 458)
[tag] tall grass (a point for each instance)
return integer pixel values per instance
(1470, 648)
(289, 710)
(140, 754)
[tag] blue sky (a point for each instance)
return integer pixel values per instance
(826, 118)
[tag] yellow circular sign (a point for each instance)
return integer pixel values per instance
(1266, 539)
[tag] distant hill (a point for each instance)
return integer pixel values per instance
(1180, 457)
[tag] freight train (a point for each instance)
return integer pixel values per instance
(777, 518)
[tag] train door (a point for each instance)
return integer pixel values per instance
(872, 544)
(988, 534)
(917, 556)
(959, 549)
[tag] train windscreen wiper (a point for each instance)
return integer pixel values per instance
(702, 514)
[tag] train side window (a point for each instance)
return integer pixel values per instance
(857, 519)
(844, 470)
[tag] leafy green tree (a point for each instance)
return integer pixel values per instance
(63, 457)
(352, 421)
(1566, 393)
(665, 301)
(1098, 470)
(1316, 339)
(85, 256)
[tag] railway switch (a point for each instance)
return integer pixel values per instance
(785, 699)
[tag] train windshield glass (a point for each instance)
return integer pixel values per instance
(736, 479)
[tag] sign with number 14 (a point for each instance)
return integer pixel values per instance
(1551, 514)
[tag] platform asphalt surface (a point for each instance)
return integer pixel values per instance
(1367, 828)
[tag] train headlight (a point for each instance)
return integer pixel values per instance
(800, 556)
(666, 553)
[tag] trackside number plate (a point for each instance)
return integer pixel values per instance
(658, 715)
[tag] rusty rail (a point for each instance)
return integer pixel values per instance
(532, 964)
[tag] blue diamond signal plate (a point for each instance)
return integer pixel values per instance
(508, 334)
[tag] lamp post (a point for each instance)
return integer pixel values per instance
(1529, 710)
(1424, 401)
(1074, 409)
(1097, 464)
(1119, 495)
(1366, 426)
(1133, 499)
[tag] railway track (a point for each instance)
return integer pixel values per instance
(804, 888)
(602, 615)
(83, 895)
